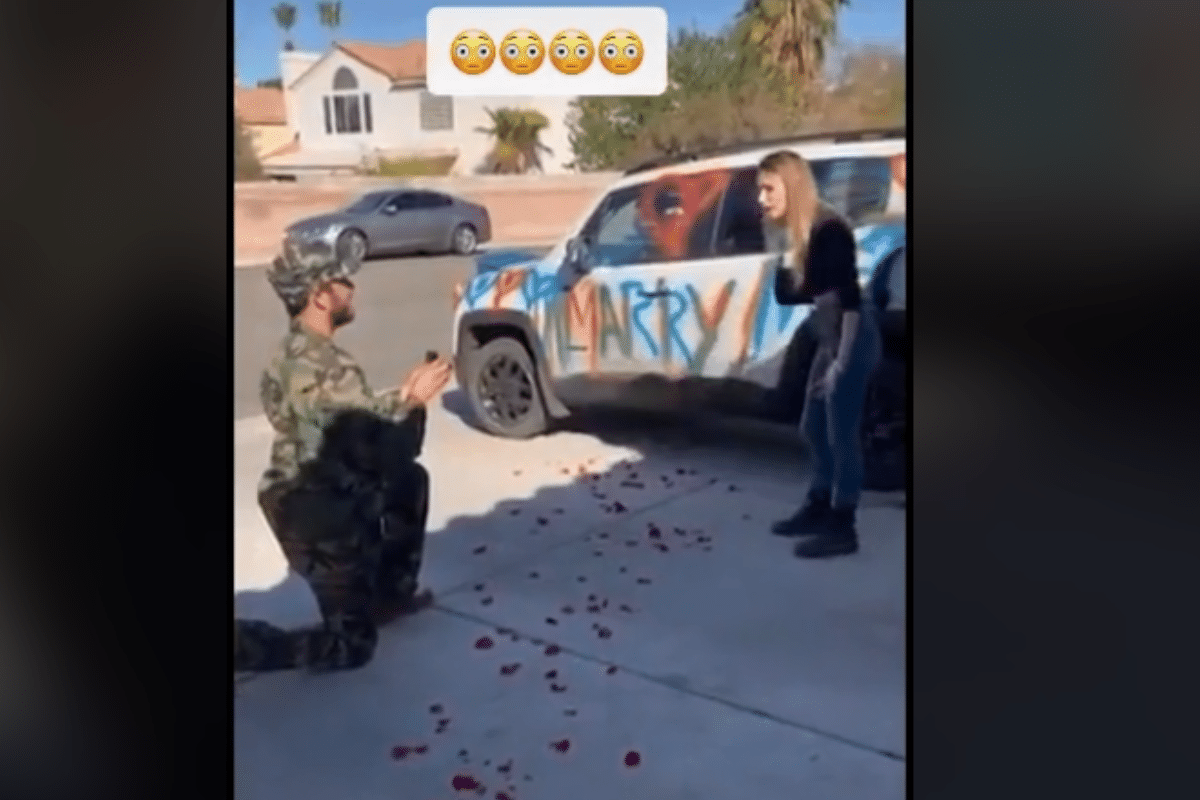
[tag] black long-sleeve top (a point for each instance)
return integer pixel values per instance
(831, 264)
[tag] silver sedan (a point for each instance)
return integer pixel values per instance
(398, 221)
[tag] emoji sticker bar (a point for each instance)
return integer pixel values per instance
(571, 51)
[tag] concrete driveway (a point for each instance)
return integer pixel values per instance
(613, 621)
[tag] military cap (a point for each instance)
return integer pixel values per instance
(306, 263)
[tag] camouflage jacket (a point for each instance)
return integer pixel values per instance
(308, 382)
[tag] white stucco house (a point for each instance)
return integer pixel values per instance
(361, 100)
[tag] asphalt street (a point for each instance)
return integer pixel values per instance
(403, 309)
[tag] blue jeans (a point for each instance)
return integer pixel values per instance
(831, 423)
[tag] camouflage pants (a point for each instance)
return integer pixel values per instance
(354, 549)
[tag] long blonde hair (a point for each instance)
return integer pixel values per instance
(803, 201)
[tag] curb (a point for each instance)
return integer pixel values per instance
(258, 262)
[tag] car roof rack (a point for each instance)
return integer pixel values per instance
(837, 137)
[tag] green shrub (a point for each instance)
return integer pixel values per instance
(246, 166)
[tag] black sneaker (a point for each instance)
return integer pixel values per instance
(839, 538)
(809, 520)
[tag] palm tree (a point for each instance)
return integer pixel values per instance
(330, 15)
(791, 35)
(517, 146)
(285, 18)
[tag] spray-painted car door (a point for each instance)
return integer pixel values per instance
(643, 306)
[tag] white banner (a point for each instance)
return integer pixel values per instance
(540, 51)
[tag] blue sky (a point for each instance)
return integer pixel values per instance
(257, 40)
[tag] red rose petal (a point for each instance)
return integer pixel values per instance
(604, 633)
(479, 587)
(465, 783)
(487, 601)
(479, 549)
(567, 610)
(533, 575)
(400, 752)
(554, 687)
(551, 621)
(543, 521)
(552, 650)
(633, 758)
(581, 579)
(483, 643)
(509, 669)
(421, 749)
(643, 580)
(552, 674)
(562, 746)
(436, 708)
(626, 609)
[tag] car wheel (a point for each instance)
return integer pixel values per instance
(501, 385)
(885, 430)
(464, 240)
(352, 244)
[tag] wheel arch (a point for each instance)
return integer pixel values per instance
(477, 328)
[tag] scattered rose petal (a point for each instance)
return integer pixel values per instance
(554, 687)
(562, 746)
(465, 783)
(553, 650)
(570, 712)
(559, 511)
(597, 552)
(643, 580)
(604, 604)
(631, 543)
(505, 768)
(552, 674)
(633, 758)
(504, 796)
(487, 601)
(509, 669)
(515, 511)
(533, 575)
(479, 549)
(567, 610)
(653, 532)
(483, 643)
(626, 609)
(680, 532)
(543, 521)
(462, 753)
(594, 608)
(400, 752)
(536, 642)
(581, 579)
(421, 749)
(662, 548)
(487, 763)
(551, 621)
(623, 569)
(436, 708)
(745, 517)
(619, 507)
(479, 587)
(602, 535)
(733, 488)
(681, 471)
(707, 548)
(611, 671)
(604, 633)
(633, 484)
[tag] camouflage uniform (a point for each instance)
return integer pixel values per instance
(343, 493)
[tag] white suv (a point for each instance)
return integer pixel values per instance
(663, 289)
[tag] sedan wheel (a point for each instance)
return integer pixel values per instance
(353, 244)
(465, 240)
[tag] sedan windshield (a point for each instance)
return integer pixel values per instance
(368, 202)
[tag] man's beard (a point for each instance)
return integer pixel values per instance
(341, 317)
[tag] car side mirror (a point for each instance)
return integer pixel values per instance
(578, 256)
(390, 210)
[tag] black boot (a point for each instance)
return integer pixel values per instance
(839, 538)
(810, 519)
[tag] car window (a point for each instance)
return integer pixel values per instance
(857, 186)
(740, 228)
(368, 202)
(430, 200)
(402, 201)
(648, 223)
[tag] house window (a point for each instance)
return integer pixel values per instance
(346, 110)
(437, 112)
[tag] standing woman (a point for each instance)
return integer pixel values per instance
(818, 267)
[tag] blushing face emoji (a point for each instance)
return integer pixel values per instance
(522, 51)
(472, 52)
(621, 51)
(571, 51)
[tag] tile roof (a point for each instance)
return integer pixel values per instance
(259, 106)
(400, 62)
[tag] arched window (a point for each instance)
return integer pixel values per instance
(347, 111)
(344, 80)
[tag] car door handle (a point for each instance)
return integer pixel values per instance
(658, 293)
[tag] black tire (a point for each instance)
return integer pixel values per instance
(464, 240)
(354, 244)
(501, 386)
(885, 430)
